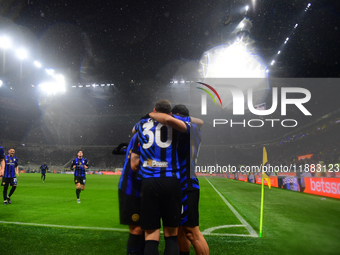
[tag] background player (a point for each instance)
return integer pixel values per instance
(43, 169)
(129, 198)
(159, 172)
(79, 165)
(10, 175)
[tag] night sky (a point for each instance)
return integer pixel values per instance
(120, 41)
(147, 43)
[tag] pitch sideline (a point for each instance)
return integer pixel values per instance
(244, 223)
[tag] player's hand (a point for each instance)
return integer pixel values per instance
(17, 174)
(74, 167)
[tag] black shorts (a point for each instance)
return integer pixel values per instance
(161, 198)
(129, 209)
(190, 214)
(44, 174)
(80, 180)
(7, 181)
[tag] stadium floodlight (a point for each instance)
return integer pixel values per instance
(37, 64)
(55, 86)
(232, 61)
(49, 71)
(5, 42)
(22, 54)
(1, 83)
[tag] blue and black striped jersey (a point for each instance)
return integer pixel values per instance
(128, 180)
(158, 148)
(44, 168)
(10, 164)
(80, 164)
(188, 150)
(2, 152)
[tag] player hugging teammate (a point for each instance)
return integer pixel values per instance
(159, 161)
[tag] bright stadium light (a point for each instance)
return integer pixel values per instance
(232, 61)
(49, 71)
(1, 83)
(37, 64)
(55, 86)
(5, 42)
(22, 54)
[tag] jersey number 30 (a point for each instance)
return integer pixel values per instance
(157, 135)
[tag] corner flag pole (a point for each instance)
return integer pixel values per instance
(264, 177)
(261, 217)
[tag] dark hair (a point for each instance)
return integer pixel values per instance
(180, 109)
(163, 106)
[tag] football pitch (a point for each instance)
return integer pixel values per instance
(44, 218)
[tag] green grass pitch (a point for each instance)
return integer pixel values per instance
(44, 218)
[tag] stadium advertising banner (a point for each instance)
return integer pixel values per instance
(328, 187)
(243, 177)
(273, 181)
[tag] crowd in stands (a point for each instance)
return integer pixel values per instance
(323, 145)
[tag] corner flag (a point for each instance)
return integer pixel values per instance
(264, 177)
(264, 164)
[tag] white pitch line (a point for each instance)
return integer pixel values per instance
(209, 230)
(221, 234)
(246, 224)
(64, 226)
(94, 228)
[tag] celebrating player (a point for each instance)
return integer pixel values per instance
(159, 172)
(188, 150)
(10, 175)
(43, 169)
(79, 165)
(129, 198)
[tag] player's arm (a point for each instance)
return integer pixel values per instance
(118, 150)
(2, 166)
(197, 121)
(167, 119)
(73, 166)
(17, 167)
(135, 159)
(86, 166)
